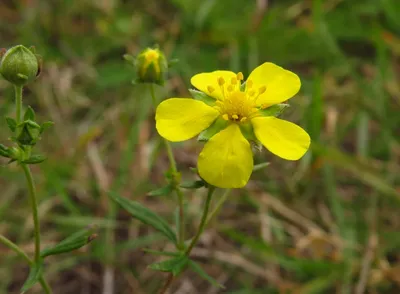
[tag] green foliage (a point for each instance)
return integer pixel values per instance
(34, 275)
(145, 215)
(173, 265)
(346, 54)
(73, 242)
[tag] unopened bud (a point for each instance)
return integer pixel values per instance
(19, 65)
(151, 66)
(28, 132)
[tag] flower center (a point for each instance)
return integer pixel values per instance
(237, 105)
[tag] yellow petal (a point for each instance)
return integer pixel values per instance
(180, 119)
(226, 160)
(210, 82)
(281, 137)
(280, 84)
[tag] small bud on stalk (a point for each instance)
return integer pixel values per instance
(151, 66)
(19, 65)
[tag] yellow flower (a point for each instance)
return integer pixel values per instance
(227, 160)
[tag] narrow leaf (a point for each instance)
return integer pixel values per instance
(145, 215)
(45, 126)
(162, 191)
(174, 265)
(34, 275)
(73, 242)
(12, 124)
(199, 270)
(35, 159)
(29, 114)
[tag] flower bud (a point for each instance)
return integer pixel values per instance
(28, 132)
(151, 66)
(19, 65)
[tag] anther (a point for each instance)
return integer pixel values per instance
(234, 116)
(210, 89)
(249, 84)
(262, 90)
(243, 119)
(234, 81)
(225, 116)
(239, 76)
(221, 81)
(230, 88)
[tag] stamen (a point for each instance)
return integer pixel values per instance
(262, 90)
(210, 89)
(230, 88)
(225, 116)
(234, 116)
(234, 81)
(249, 84)
(243, 119)
(221, 81)
(239, 76)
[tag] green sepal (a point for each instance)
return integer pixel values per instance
(161, 191)
(29, 114)
(243, 87)
(34, 275)
(4, 151)
(274, 110)
(73, 242)
(193, 184)
(130, 59)
(248, 131)
(198, 269)
(218, 125)
(174, 265)
(28, 133)
(198, 95)
(46, 125)
(145, 215)
(12, 124)
(35, 159)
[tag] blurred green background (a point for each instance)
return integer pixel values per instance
(326, 224)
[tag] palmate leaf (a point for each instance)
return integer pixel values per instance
(145, 215)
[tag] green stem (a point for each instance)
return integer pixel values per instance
(196, 238)
(219, 204)
(18, 103)
(203, 221)
(34, 205)
(22, 254)
(174, 169)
